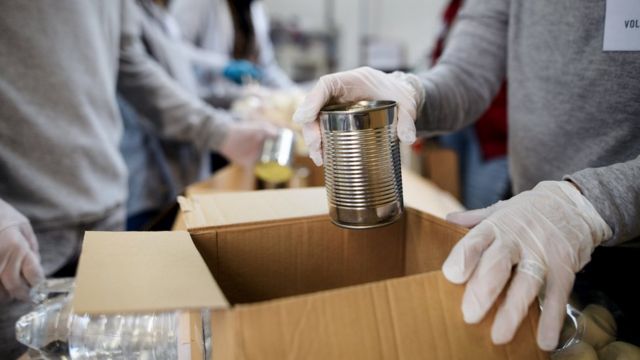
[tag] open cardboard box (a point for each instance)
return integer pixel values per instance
(288, 284)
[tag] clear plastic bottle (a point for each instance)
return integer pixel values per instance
(147, 336)
(45, 330)
(52, 331)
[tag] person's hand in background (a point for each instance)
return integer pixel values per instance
(549, 232)
(240, 70)
(20, 267)
(244, 141)
(360, 84)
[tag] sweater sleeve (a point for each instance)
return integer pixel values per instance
(614, 191)
(461, 86)
(177, 114)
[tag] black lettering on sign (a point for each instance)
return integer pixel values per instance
(632, 24)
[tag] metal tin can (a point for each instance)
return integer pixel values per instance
(362, 170)
(275, 163)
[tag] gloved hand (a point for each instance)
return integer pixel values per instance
(238, 70)
(360, 84)
(550, 232)
(19, 260)
(244, 141)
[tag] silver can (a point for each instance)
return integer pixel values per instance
(362, 163)
(275, 165)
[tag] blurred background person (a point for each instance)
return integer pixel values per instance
(160, 168)
(61, 171)
(237, 29)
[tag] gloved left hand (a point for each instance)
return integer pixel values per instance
(239, 70)
(20, 266)
(245, 139)
(549, 232)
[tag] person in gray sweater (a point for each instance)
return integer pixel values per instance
(161, 168)
(60, 169)
(574, 125)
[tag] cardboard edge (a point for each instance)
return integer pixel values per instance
(461, 230)
(191, 212)
(223, 330)
(211, 236)
(190, 344)
(424, 215)
(207, 229)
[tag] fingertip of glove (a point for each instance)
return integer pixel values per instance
(407, 136)
(472, 309)
(300, 116)
(499, 336)
(546, 342)
(453, 273)
(454, 216)
(316, 157)
(468, 218)
(471, 316)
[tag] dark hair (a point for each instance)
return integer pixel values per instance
(244, 46)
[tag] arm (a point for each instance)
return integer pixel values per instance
(615, 193)
(448, 97)
(205, 58)
(191, 15)
(176, 113)
(470, 72)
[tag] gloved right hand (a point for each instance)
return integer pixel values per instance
(550, 232)
(20, 267)
(244, 141)
(363, 83)
(238, 70)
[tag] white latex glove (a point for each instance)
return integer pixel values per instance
(244, 141)
(19, 260)
(550, 232)
(360, 84)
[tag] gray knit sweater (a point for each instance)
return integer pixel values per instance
(60, 64)
(574, 110)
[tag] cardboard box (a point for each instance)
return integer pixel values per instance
(290, 285)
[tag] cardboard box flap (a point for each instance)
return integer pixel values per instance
(415, 317)
(220, 209)
(125, 272)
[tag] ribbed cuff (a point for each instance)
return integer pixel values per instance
(599, 196)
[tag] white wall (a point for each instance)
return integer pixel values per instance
(415, 23)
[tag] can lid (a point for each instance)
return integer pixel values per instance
(358, 106)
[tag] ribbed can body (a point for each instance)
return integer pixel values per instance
(362, 163)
